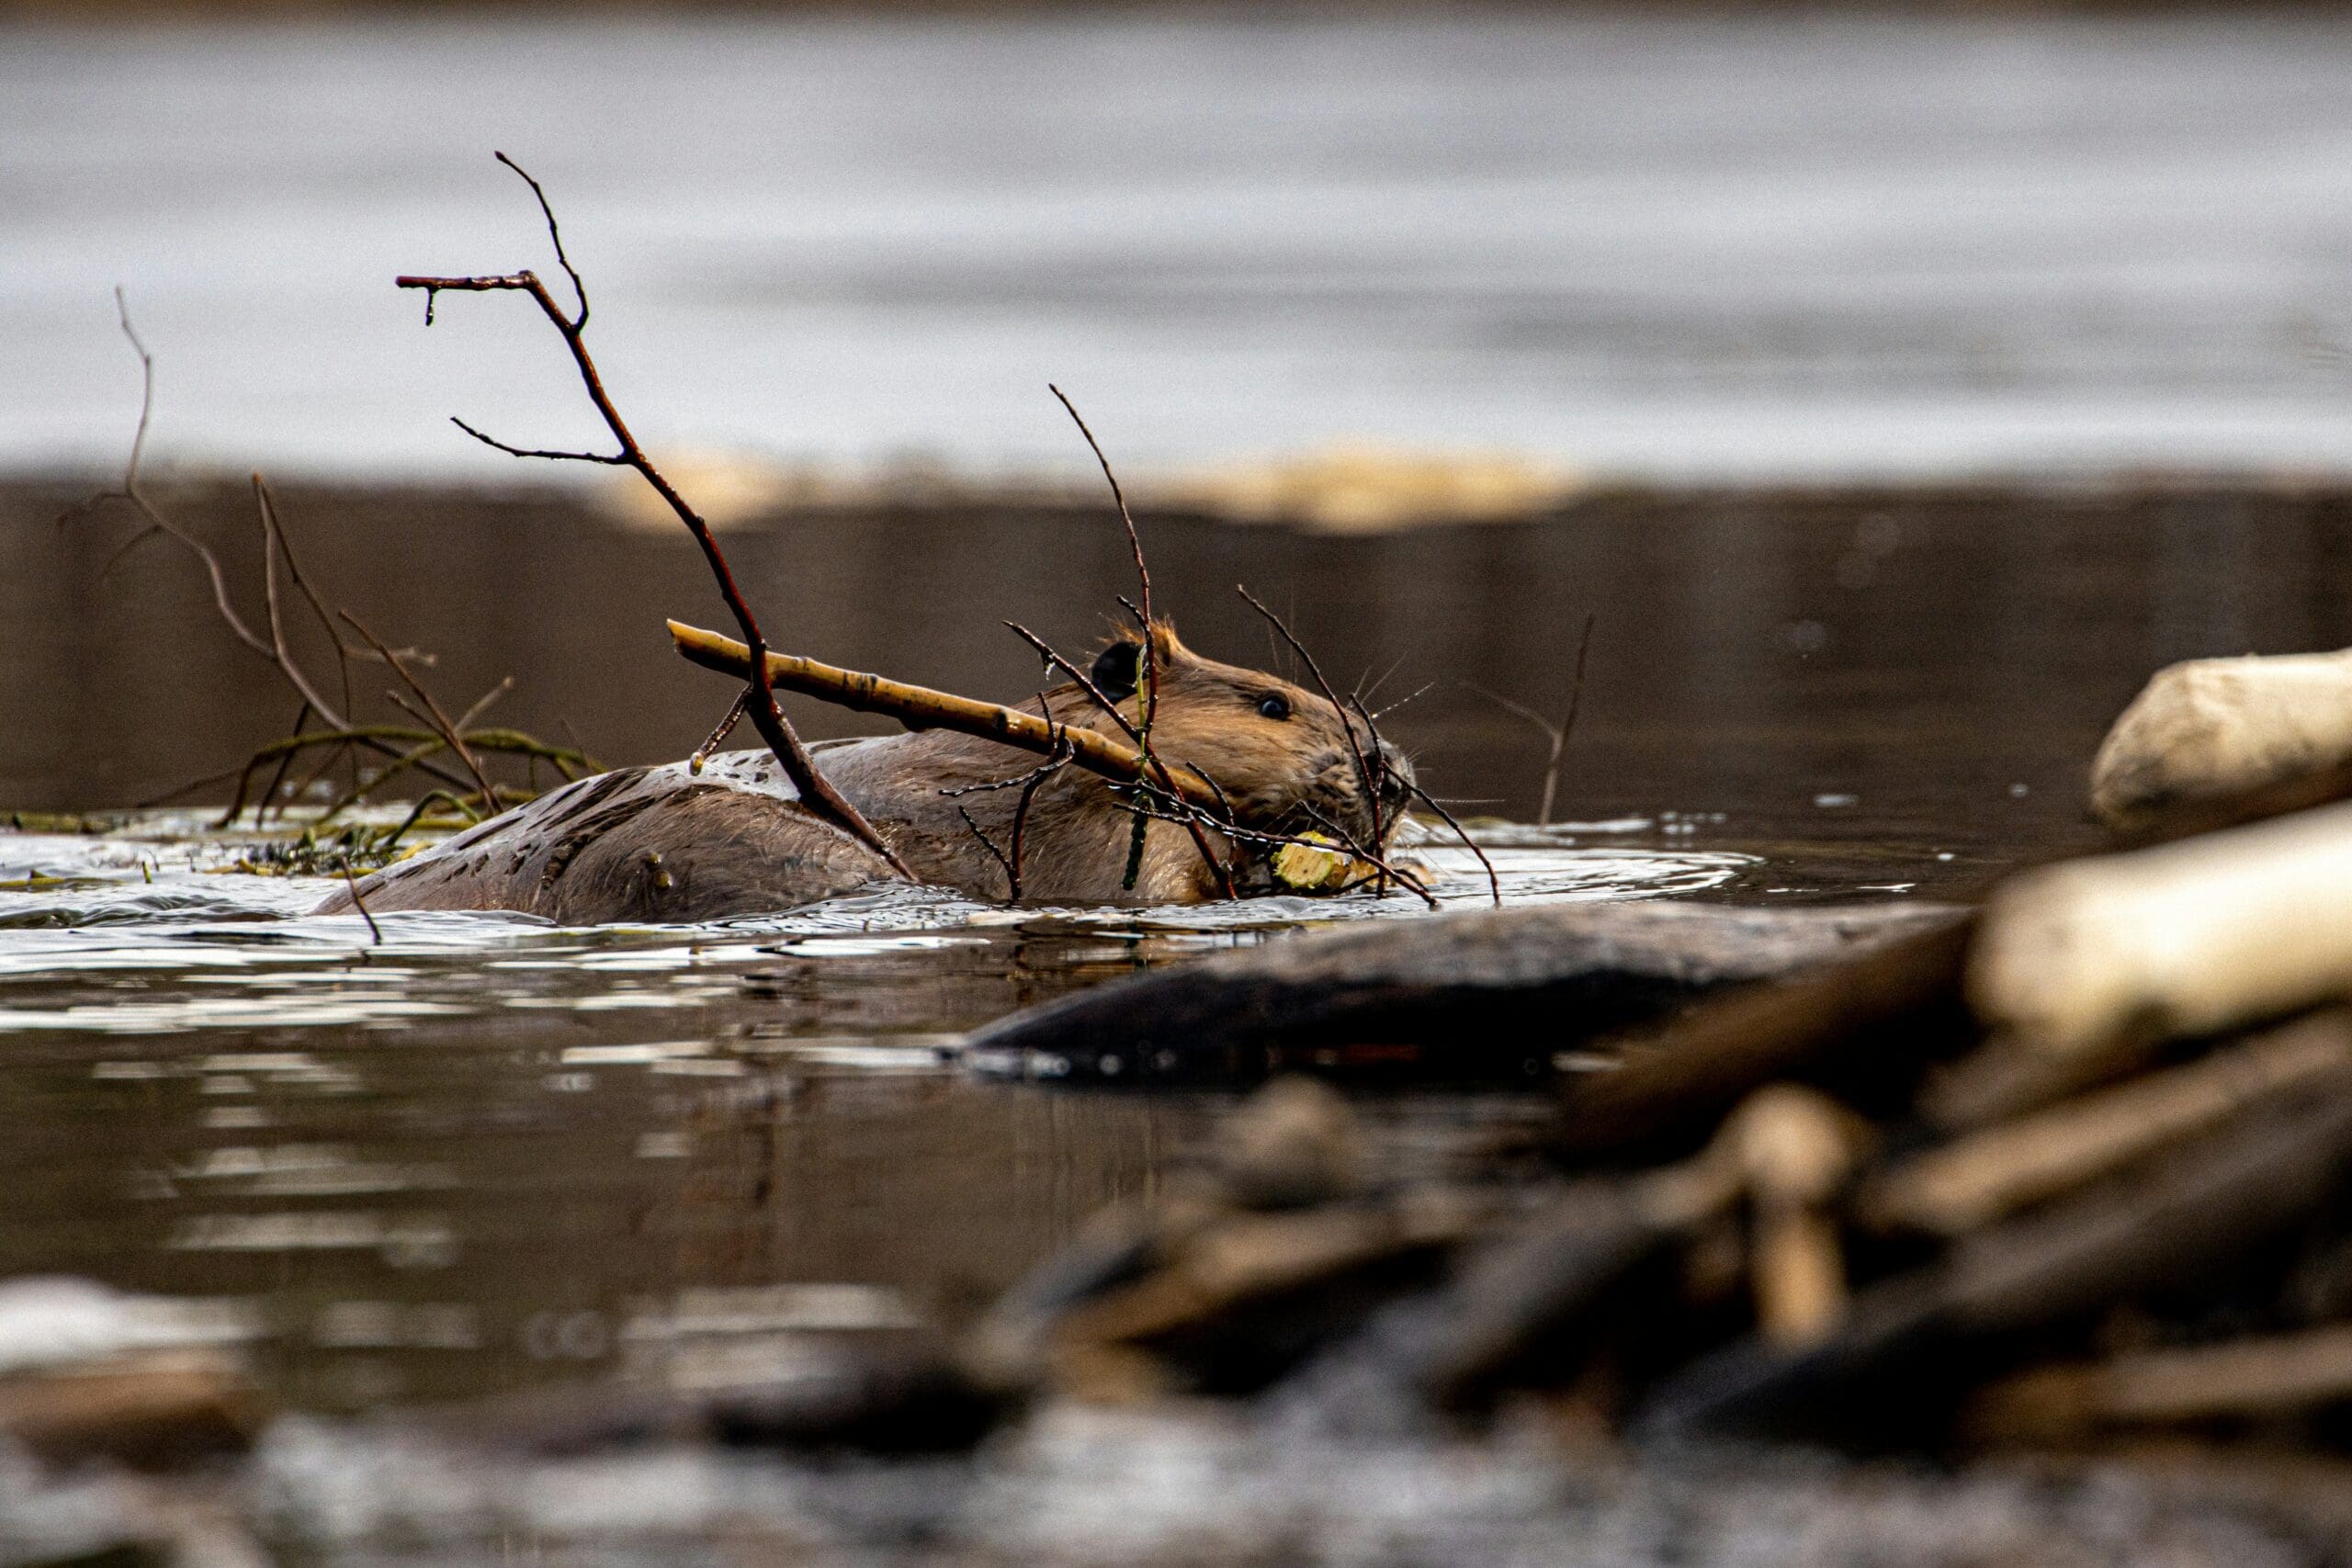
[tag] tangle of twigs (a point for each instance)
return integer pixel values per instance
(345, 737)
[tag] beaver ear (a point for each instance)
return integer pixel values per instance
(1118, 669)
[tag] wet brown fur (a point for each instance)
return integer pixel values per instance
(660, 845)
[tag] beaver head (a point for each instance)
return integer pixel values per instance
(1279, 751)
(1287, 760)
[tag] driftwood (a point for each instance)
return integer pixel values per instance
(760, 707)
(2191, 938)
(1519, 1306)
(887, 1394)
(1795, 1151)
(1966, 1184)
(2249, 1379)
(154, 1410)
(1235, 1273)
(2206, 736)
(1484, 995)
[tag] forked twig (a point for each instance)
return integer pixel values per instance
(1152, 772)
(1062, 755)
(432, 715)
(815, 790)
(1559, 732)
(132, 491)
(1150, 672)
(1011, 875)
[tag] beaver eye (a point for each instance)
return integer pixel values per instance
(1273, 704)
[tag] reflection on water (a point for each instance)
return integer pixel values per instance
(485, 1149)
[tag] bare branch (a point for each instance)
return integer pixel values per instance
(816, 791)
(433, 717)
(375, 932)
(578, 289)
(718, 736)
(1556, 733)
(1011, 878)
(1494, 883)
(552, 455)
(1363, 767)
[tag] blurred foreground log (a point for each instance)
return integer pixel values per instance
(155, 1410)
(2182, 1223)
(1898, 1000)
(2237, 1379)
(2190, 938)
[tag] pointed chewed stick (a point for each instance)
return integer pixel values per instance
(920, 707)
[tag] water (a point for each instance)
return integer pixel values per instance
(1659, 245)
(492, 1145)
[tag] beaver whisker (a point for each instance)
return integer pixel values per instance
(1419, 690)
(1364, 768)
(1494, 883)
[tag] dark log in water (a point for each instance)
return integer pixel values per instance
(1490, 996)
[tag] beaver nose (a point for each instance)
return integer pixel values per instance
(1395, 773)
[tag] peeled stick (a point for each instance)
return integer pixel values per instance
(2214, 729)
(2189, 938)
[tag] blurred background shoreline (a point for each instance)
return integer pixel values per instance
(1652, 245)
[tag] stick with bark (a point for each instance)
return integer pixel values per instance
(920, 707)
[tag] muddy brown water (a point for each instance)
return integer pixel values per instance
(490, 1152)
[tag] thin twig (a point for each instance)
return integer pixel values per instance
(1148, 764)
(1364, 768)
(555, 237)
(1494, 883)
(1062, 755)
(1085, 682)
(375, 932)
(1150, 704)
(1557, 733)
(481, 704)
(432, 717)
(1021, 815)
(1011, 877)
(718, 736)
(417, 812)
(134, 492)
(612, 459)
(269, 790)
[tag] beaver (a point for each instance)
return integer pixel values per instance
(672, 844)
